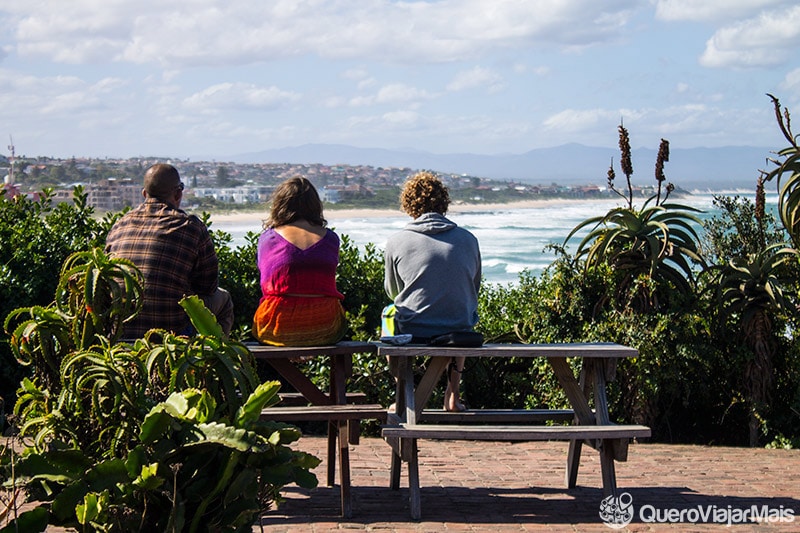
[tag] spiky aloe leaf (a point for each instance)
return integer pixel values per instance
(202, 319)
(265, 395)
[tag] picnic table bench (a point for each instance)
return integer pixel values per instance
(591, 425)
(342, 410)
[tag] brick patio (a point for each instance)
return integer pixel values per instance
(499, 487)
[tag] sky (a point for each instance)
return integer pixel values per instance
(203, 79)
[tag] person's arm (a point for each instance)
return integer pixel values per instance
(392, 283)
(478, 271)
(205, 278)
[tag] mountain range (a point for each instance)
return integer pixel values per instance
(723, 168)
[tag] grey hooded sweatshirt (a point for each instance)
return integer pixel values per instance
(433, 273)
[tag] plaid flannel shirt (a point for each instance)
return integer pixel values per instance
(176, 256)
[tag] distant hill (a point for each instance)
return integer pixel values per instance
(727, 167)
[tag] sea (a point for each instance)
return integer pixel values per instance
(511, 239)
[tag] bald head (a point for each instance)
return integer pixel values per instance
(162, 181)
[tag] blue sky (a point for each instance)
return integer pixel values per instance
(210, 78)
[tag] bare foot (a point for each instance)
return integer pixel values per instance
(452, 404)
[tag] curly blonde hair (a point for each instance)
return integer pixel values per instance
(424, 193)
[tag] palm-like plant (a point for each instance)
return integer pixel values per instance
(750, 293)
(651, 249)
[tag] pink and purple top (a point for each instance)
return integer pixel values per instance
(286, 269)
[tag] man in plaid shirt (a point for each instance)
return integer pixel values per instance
(175, 254)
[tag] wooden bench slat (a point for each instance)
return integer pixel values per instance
(262, 351)
(325, 412)
(295, 399)
(460, 432)
(507, 416)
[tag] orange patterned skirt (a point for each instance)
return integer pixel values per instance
(299, 321)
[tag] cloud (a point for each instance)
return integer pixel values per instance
(476, 77)
(394, 93)
(695, 124)
(576, 120)
(791, 81)
(713, 10)
(769, 39)
(239, 96)
(52, 95)
(222, 32)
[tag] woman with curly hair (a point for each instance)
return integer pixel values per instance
(297, 258)
(433, 273)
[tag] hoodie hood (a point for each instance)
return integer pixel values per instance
(431, 223)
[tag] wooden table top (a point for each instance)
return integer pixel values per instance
(584, 350)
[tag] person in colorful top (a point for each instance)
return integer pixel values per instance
(433, 273)
(297, 258)
(175, 254)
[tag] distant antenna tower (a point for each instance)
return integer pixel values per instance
(11, 160)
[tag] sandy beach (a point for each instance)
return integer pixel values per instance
(334, 214)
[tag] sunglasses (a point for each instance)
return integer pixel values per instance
(180, 186)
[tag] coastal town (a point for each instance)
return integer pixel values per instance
(114, 184)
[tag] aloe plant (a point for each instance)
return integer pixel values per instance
(162, 434)
(652, 249)
(750, 292)
(95, 295)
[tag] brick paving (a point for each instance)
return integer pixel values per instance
(503, 487)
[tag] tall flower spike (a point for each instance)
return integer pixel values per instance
(625, 149)
(761, 199)
(663, 157)
(611, 174)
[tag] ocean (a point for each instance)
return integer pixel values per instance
(511, 239)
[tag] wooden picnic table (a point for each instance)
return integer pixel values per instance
(334, 406)
(590, 420)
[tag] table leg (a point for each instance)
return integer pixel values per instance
(607, 467)
(573, 390)
(576, 392)
(573, 462)
(339, 433)
(408, 394)
(397, 464)
(344, 470)
(398, 367)
(576, 446)
(413, 481)
(332, 436)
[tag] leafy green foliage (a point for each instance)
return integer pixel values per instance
(162, 434)
(736, 232)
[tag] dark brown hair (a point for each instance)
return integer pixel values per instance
(424, 193)
(294, 199)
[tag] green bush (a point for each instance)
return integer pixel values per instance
(36, 237)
